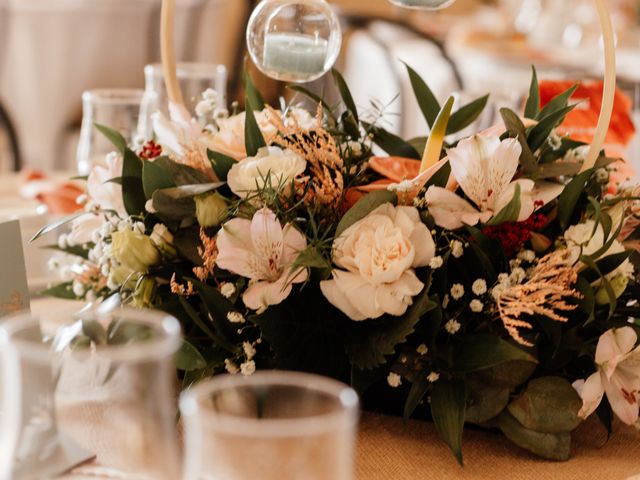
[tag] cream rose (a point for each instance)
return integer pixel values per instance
(377, 256)
(230, 137)
(271, 166)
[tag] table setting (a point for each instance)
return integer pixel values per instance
(251, 290)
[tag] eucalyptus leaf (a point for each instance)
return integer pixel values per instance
(546, 445)
(188, 358)
(509, 374)
(484, 402)
(547, 405)
(448, 404)
(180, 173)
(363, 207)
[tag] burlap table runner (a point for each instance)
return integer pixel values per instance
(388, 449)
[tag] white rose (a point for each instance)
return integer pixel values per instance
(378, 255)
(271, 166)
(580, 240)
(230, 137)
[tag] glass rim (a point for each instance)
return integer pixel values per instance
(310, 425)
(200, 70)
(113, 96)
(167, 327)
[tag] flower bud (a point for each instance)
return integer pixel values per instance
(134, 250)
(144, 293)
(618, 285)
(211, 209)
(162, 238)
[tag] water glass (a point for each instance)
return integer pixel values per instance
(194, 78)
(117, 108)
(272, 426)
(106, 382)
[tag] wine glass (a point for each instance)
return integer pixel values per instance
(118, 109)
(106, 382)
(194, 78)
(272, 425)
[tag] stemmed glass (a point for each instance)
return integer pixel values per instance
(106, 382)
(118, 109)
(272, 426)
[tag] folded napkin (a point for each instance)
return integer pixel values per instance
(60, 197)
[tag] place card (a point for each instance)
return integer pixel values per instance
(41, 451)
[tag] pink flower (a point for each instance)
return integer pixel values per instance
(104, 192)
(264, 252)
(484, 167)
(618, 376)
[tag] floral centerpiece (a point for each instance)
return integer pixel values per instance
(485, 281)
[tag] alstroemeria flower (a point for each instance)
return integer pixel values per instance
(484, 167)
(377, 257)
(102, 190)
(263, 251)
(618, 376)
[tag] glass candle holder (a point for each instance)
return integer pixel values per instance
(105, 382)
(194, 78)
(423, 4)
(272, 426)
(294, 41)
(118, 109)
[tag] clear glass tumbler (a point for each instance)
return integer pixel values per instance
(194, 78)
(271, 426)
(104, 382)
(117, 108)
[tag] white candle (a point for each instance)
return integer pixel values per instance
(294, 56)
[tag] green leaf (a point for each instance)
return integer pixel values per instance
(557, 169)
(361, 380)
(515, 127)
(132, 188)
(509, 374)
(484, 401)
(113, 136)
(510, 212)
(557, 103)
(254, 98)
(588, 302)
(221, 164)
(154, 177)
(548, 405)
(427, 101)
(363, 207)
(600, 268)
(62, 290)
(546, 445)
(532, 107)
(177, 203)
(180, 173)
(418, 390)
(372, 342)
(569, 197)
(345, 93)
(55, 225)
(419, 143)
(466, 115)
(75, 250)
(482, 351)
(316, 98)
(448, 404)
(310, 257)
(200, 323)
(441, 177)
(540, 132)
(392, 144)
(188, 358)
(254, 140)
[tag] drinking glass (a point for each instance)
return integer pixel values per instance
(194, 78)
(271, 425)
(117, 108)
(106, 382)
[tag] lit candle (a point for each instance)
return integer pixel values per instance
(294, 56)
